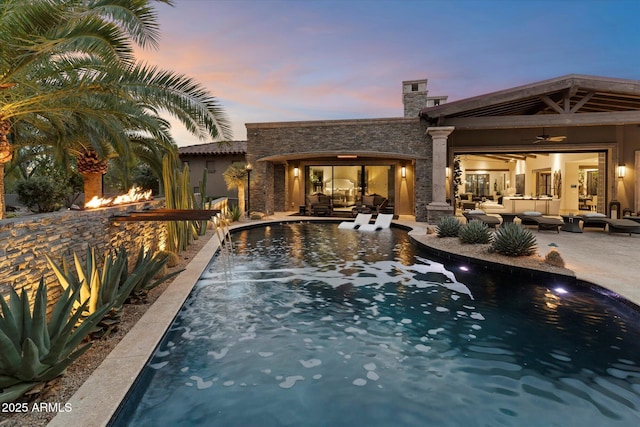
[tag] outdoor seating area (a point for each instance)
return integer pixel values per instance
(570, 223)
(319, 204)
(625, 225)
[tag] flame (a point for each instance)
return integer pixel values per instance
(135, 194)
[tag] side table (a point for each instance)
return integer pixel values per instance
(571, 223)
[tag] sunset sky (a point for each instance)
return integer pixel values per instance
(318, 59)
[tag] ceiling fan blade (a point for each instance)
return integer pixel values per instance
(556, 138)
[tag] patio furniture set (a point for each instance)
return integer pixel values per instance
(570, 223)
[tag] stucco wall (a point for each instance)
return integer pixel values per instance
(24, 242)
(216, 186)
(377, 138)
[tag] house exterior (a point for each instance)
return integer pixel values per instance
(347, 159)
(215, 157)
(570, 135)
(545, 139)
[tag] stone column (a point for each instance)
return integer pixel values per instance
(439, 206)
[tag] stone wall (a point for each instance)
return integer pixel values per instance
(25, 241)
(401, 138)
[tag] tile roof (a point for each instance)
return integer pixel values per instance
(222, 147)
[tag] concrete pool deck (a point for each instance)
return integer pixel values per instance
(610, 261)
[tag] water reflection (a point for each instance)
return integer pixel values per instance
(318, 326)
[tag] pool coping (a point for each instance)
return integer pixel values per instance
(98, 398)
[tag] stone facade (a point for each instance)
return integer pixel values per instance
(270, 146)
(25, 241)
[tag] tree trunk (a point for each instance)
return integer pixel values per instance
(5, 155)
(91, 167)
(92, 186)
(2, 206)
(241, 199)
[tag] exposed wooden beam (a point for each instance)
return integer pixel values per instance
(583, 101)
(546, 120)
(551, 103)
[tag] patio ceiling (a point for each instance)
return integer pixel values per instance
(573, 100)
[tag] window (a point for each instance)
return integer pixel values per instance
(544, 183)
(414, 87)
(211, 166)
(478, 184)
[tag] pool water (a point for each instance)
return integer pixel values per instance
(309, 325)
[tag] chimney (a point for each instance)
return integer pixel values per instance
(415, 97)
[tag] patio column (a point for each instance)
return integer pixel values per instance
(439, 206)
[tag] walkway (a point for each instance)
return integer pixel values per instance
(608, 260)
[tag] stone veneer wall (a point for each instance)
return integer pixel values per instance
(404, 138)
(24, 241)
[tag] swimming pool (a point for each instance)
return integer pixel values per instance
(311, 325)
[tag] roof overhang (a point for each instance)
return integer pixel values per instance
(335, 156)
(573, 100)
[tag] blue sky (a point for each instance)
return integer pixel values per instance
(319, 59)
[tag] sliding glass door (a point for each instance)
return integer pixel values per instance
(347, 184)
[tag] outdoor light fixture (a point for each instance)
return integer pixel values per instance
(296, 172)
(621, 171)
(248, 168)
(403, 171)
(447, 171)
(347, 156)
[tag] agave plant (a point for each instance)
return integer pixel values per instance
(97, 288)
(475, 232)
(147, 269)
(513, 239)
(35, 351)
(448, 226)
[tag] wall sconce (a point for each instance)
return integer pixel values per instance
(403, 172)
(447, 171)
(621, 171)
(296, 172)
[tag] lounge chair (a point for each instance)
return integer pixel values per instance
(479, 215)
(594, 220)
(632, 218)
(623, 226)
(543, 222)
(360, 220)
(382, 221)
(611, 225)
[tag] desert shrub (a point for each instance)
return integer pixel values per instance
(40, 193)
(513, 239)
(474, 232)
(448, 226)
(554, 258)
(234, 213)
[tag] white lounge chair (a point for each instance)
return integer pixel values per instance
(361, 219)
(382, 221)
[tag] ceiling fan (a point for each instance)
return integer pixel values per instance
(548, 138)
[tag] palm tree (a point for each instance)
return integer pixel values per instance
(68, 71)
(235, 177)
